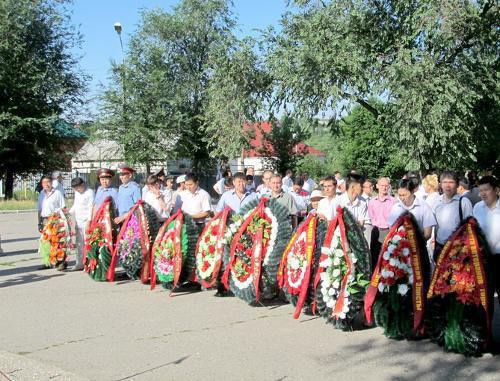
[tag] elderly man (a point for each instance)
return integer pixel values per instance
(450, 210)
(196, 201)
(264, 189)
(49, 201)
(82, 212)
(237, 197)
(128, 193)
(105, 189)
(326, 206)
(284, 198)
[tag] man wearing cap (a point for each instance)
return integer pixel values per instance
(179, 192)
(238, 197)
(105, 189)
(57, 182)
(196, 201)
(316, 197)
(82, 212)
(128, 193)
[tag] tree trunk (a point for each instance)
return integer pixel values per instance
(148, 169)
(9, 185)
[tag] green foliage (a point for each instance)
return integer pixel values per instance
(282, 153)
(165, 96)
(39, 80)
(368, 146)
(434, 63)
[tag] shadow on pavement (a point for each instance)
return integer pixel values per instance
(27, 278)
(19, 270)
(20, 239)
(19, 252)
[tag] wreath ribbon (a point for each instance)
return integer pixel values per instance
(222, 216)
(102, 217)
(339, 304)
(417, 285)
(259, 209)
(309, 225)
(470, 228)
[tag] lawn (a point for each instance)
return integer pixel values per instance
(17, 204)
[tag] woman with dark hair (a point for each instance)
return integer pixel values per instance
(407, 201)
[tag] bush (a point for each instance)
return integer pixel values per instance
(26, 194)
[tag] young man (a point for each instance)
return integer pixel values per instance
(179, 192)
(487, 214)
(301, 198)
(367, 190)
(450, 210)
(284, 198)
(379, 209)
(264, 189)
(49, 201)
(352, 201)
(105, 189)
(82, 212)
(288, 180)
(128, 193)
(196, 201)
(326, 207)
(160, 201)
(237, 197)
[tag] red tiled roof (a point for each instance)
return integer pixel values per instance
(258, 143)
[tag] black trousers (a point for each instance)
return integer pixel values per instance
(495, 259)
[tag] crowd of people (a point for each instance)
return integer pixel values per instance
(437, 202)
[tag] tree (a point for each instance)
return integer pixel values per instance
(39, 80)
(280, 145)
(434, 63)
(367, 146)
(157, 104)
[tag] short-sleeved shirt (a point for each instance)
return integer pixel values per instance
(301, 199)
(48, 203)
(419, 209)
(489, 222)
(448, 216)
(379, 210)
(287, 200)
(327, 207)
(231, 199)
(195, 203)
(358, 207)
(103, 193)
(128, 195)
(82, 207)
(309, 185)
(152, 200)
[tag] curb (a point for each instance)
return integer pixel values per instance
(17, 211)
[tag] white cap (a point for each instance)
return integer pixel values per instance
(316, 194)
(180, 179)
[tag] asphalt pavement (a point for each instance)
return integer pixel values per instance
(65, 326)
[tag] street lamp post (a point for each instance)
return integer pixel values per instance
(118, 29)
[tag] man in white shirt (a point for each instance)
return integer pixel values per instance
(196, 201)
(309, 184)
(449, 211)
(301, 198)
(351, 199)
(326, 206)
(160, 201)
(82, 214)
(179, 192)
(49, 201)
(288, 180)
(487, 214)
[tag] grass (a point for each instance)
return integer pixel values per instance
(17, 205)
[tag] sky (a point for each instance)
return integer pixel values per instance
(101, 44)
